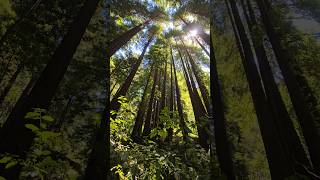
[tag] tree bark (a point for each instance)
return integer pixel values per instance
(279, 166)
(15, 138)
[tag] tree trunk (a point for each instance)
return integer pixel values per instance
(136, 132)
(202, 46)
(278, 163)
(117, 43)
(290, 138)
(197, 109)
(98, 165)
(147, 124)
(179, 104)
(114, 104)
(159, 102)
(7, 88)
(302, 98)
(219, 121)
(171, 100)
(202, 87)
(15, 138)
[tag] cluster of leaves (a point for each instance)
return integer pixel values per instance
(174, 160)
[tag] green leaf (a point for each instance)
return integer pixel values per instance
(32, 115)
(5, 159)
(163, 133)
(47, 118)
(2, 178)
(11, 164)
(32, 127)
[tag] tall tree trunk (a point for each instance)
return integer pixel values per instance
(13, 27)
(136, 132)
(98, 165)
(7, 88)
(202, 87)
(159, 102)
(197, 109)
(171, 100)
(302, 98)
(219, 121)
(117, 43)
(202, 46)
(114, 104)
(179, 104)
(147, 124)
(278, 163)
(15, 137)
(286, 129)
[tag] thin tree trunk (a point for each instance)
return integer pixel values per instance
(147, 124)
(159, 102)
(219, 121)
(302, 98)
(178, 100)
(114, 104)
(278, 163)
(170, 102)
(202, 46)
(202, 87)
(198, 112)
(136, 132)
(117, 43)
(15, 137)
(7, 88)
(285, 126)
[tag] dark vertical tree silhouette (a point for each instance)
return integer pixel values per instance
(202, 46)
(147, 124)
(137, 128)
(117, 43)
(278, 163)
(15, 137)
(300, 93)
(286, 129)
(114, 104)
(98, 165)
(178, 100)
(195, 69)
(199, 111)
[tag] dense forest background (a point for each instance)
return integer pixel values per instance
(163, 89)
